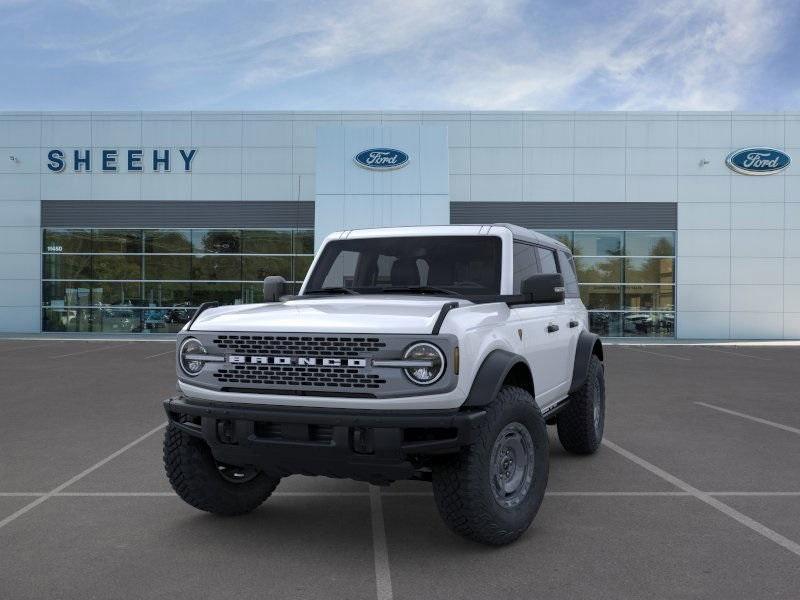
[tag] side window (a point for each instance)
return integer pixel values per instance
(570, 278)
(547, 258)
(525, 264)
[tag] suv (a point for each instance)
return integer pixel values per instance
(429, 353)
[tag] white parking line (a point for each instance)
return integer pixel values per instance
(90, 350)
(750, 418)
(79, 476)
(657, 353)
(383, 578)
(172, 351)
(734, 514)
(742, 354)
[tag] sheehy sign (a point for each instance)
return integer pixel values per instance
(134, 160)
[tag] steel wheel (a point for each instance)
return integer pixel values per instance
(512, 464)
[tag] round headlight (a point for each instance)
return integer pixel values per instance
(431, 363)
(190, 351)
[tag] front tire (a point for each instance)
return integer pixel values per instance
(581, 423)
(208, 485)
(491, 490)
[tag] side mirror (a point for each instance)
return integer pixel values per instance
(544, 287)
(274, 288)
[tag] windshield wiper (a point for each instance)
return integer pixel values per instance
(330, 290)
(419, 289)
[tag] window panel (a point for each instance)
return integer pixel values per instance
(525, 264)
(301, 266)
(304, 241)
(606, 324)
(565, 237)
(599, 270)
(649, 297)
(224, 293)
(67, 240)
(256, 268)
(117, 266)
(267, 241)
(67, 266)
(649, 270)
(547, 260)
(650, 243)
(225, 241)
(648, 324)
(168, 294)
(117, 240)
(117, 320)
(167, 241)
(168, 267)
(67, 319)
(598, 243)
(570, 277)
(601, 297)
(217, 267)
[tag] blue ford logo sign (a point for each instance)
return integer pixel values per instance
(758, 161)
(381, 159)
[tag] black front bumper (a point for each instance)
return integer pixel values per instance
(375, 446)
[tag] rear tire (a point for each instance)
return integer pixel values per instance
(491, 490)
(581, 423)
(207, 485)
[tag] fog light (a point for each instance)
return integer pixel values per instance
(431, 365)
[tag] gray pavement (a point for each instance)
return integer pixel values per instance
(687, 500)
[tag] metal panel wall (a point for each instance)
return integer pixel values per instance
(180, 213)
(569, 215)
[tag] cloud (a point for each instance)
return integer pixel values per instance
(449, 54)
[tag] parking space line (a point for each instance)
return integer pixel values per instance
(742, 354)
(750, 418)
(78, 477)
(734, 514)
(172, 351)
(383, 578)
(90, 350)
(657, 353)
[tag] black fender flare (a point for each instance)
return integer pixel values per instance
(491, 375)
(587, 343)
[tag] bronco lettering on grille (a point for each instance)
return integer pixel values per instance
(300, 361)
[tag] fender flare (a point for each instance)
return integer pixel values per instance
(491, 375)
(588, 344)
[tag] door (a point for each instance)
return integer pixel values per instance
(544, 330)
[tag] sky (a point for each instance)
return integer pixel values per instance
(400, 55)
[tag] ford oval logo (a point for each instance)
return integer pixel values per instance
(381, 159)
(758, 161)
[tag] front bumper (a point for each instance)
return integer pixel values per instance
(374, 446)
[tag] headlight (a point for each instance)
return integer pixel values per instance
(190, 356)
(431, 363)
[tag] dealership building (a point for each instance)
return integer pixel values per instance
(683, 224)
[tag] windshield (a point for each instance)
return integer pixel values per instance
(461, 265)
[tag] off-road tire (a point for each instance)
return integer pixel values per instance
(194, 476)
(462, 482)
(577, 430)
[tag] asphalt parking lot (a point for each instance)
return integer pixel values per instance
(696, 494)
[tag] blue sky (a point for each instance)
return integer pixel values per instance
(400, 54)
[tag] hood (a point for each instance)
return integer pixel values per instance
(351, 314)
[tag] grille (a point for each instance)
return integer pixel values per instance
(269, 375)
(294, 345)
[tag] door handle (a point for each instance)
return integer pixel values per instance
(552, 328)
(573, 323)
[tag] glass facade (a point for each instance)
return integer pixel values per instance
(151, 280)
(627, 280)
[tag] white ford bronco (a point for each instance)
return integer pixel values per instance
(429, 353)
